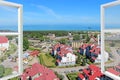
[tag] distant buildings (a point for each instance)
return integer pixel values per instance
(38, 72)
(4, 44)
(76, 44)
(64, 55)
(51, 36)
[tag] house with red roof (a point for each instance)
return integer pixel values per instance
(4, 44)
(34, 53)
(115, 70)
(28, 55)
(64, 55)
(38, 72)
(91, 73)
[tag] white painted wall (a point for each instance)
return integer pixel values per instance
(6, 45)
(69, 58)
(106, 56)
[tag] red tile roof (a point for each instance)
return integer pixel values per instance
(93, 72)
(95, 49)
(34, 53)
(64, 49)
(118, 67)
(111, 70)
(84, 46)
(81, 76)
(94, 67)
(86, 72)
(58, 60)
(3, 39)
(43, 72)
(93, 58)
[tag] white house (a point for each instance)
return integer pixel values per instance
(106, 57)
(69, 59)
(4, 44)
(64, 55)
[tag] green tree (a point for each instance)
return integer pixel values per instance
(95, 35)
(2, 70)
(79, 59)
(76, 37)
(61, 77)
(63, 41)
(83, 36)
(15, 78)
(10, 37)
(41, 38)
(25, 44)
(83, 61)
(87, 38)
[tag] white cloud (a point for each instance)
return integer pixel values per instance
(47, 10)
(8, 9)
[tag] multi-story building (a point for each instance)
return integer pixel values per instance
(64, 55)
(38, 72)
(92, 51)
(93, 72)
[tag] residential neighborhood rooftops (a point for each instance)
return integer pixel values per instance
(92, 72)
(42, 73)
(117, 67)
(111, 70)
(95, 48)
(3, 39)
(64, 49)
(81, 76)
(34, 53)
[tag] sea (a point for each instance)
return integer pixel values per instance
(53, 27)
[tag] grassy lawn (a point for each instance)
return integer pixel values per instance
(47, 60)
(31, 48)
(72, 76)
(8, 71)
(15, 78)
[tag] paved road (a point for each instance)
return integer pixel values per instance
(64, 71)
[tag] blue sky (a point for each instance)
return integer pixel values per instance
(38, 12)
(112, 17)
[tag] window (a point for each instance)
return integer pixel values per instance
(12, 38)
(110, 40)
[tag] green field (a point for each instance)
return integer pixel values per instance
(72, 76)
(47, 60)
